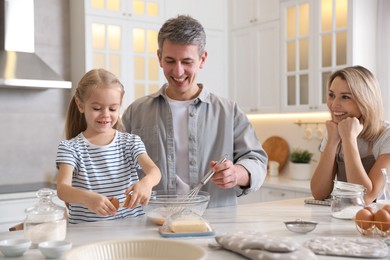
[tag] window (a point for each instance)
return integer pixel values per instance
(315, 40)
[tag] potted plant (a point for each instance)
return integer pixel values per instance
(300, 166)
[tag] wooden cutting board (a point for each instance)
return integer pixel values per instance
(277, 149)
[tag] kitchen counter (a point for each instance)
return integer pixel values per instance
(16, 198)
(26, 190)
(280, 187)
(266, 217)
(283, 181)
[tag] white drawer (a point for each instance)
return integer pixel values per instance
(276, 194)
(13, 210)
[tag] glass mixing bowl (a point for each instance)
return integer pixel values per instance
(163, 204)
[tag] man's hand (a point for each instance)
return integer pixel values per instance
(228, 175)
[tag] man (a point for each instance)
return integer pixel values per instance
(186, 129)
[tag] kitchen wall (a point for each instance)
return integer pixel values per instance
(293, 133)
(33, 120)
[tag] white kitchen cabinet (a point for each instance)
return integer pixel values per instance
(211, 14)
(145, 10)
(250, 198)
(255, 67)
(255, 60)
(214, 75)
(123, 44)
(278, 188)
(303, 194)
(319, 37)
(271, 194)
(245, 13)
(13, 212)
(13, 208)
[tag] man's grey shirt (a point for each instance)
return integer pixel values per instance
(216, 126)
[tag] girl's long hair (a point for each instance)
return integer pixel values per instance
(75, 121)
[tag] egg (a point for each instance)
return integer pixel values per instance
(386, 207)
(127, 201)
(382, 217)
(115, 202)
(370, 209)
(364, 218)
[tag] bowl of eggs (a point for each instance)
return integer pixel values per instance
(369, 221)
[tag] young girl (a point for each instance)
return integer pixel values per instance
(98, 161)
(357, 144)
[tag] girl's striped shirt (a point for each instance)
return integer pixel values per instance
(107, 170)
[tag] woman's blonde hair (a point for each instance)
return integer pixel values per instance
(366, 93)
(75, 121)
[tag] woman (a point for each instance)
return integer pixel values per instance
(357, 144)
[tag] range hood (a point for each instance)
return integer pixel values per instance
(19, 65)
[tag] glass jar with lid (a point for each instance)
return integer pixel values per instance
(45, 220)
(347, 199)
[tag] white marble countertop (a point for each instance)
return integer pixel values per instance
(266, 217)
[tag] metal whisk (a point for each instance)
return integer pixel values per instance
(192, 193)
(190, 196)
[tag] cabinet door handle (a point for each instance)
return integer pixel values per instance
(280, 194)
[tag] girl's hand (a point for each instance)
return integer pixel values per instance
(350, 128)
(100, 204)
(142, 190)
(140, 195)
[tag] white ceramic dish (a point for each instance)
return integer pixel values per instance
(54, 249)
(14, 247)
(146, 249)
